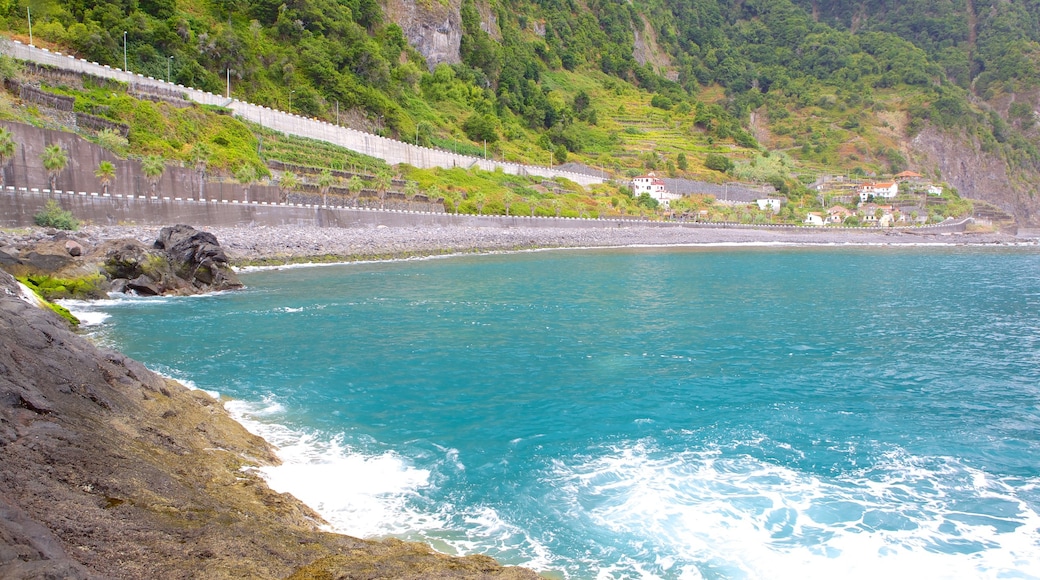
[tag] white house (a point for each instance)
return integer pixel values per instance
(935, 190)
(814, 219)
(654, 186)
(883, 190)
(770, 203)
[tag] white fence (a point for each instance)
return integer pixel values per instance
(390, 150)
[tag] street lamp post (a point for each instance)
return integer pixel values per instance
(28, 15)
(125, 69)
(290, 101)
(169, 63)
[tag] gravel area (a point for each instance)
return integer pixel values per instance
(302, 244)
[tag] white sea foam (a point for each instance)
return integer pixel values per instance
(718, 515)
(86, 311)
(359, 494)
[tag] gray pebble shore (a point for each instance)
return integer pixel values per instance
(297, 243)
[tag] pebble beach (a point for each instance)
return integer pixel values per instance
(306, 243)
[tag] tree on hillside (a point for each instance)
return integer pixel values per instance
(153, 168)
(286, 183)
(434, 193)
(382, 183)
(681, 162)
(354, 186)
(411, 189)
(479, 199)
(246, 175)
(718, 162)
(7, 149)
(54, 160)
(508, 199)
(454, 198)
(325, 182)
(106, 173)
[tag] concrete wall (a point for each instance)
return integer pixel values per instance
(390, 150)
(17, 208)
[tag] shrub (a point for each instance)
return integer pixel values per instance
(52, 216)
(718, 162)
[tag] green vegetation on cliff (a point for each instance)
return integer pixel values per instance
(661, 85)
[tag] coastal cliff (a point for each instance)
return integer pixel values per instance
(108, 470)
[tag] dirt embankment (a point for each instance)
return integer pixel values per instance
(108, 470)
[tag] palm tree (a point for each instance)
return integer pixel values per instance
(434, 194)
(325, 181)
(54, 160)
(479, 199)
(246, 175)
(508, 199)
(354, 186)
(153, 168)
(106, 173)
(411, 189)
(383, 181)
(7, 149)
(286, 183)
(455, 198)
(200, 154)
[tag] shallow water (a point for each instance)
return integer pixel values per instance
(657, 413)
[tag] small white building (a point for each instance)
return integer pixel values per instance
(770, 203)
(880, 190)
(814, 219)
(935, 190)
(654, 186)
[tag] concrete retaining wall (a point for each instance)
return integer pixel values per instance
(17, 208)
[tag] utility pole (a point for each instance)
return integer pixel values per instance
(29, 16)
(124, 53)
(169, 63)
(229, 83)
(337, 111)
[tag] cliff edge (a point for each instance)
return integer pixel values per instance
(108, 470)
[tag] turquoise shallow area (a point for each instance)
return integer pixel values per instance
(657, 413)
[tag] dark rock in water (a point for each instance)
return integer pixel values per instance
(197, 257)
(144, 286)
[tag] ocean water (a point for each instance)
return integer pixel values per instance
(643, 413)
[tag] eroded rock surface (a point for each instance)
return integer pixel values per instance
(108, 470)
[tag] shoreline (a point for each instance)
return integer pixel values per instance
(273, 246)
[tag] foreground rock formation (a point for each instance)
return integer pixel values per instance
(181, 261)
(108, 470)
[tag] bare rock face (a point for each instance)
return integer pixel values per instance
(977, 174)
(432, 28)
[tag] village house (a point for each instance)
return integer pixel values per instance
(771, 203)
(653, 185)
(879, 190)
(908, 176)
(813, 219)
(838, 215)
(874, 214)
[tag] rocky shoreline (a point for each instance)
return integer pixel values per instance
(296, 244)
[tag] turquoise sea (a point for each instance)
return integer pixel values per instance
(723, 412)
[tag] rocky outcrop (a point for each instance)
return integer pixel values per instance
(181, 261)
(977, 174)
(108, 470)
(432, 28)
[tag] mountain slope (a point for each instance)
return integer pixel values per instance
(839, 87)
